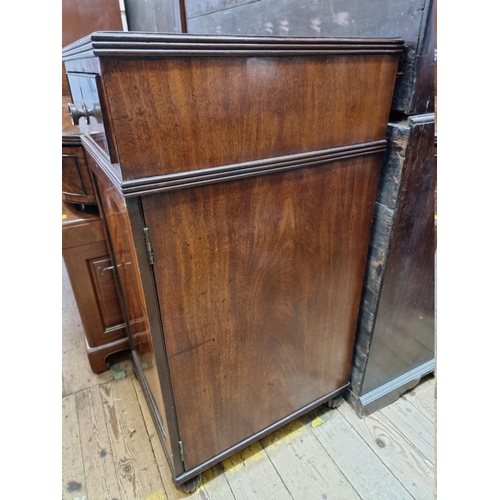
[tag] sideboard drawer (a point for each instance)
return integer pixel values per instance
(87, 108)
(76, 183)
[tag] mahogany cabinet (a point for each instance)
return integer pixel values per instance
(237, 178)
(92, 279)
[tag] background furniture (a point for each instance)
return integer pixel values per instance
(85, 252)
(237, 178)
(395, 340)
(91, 275)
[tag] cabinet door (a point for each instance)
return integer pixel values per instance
(115, 211)
(106, 293)
(258, 283)
(95, 292)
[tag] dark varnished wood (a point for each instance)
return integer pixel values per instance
(395, 333)
(424, 78)
(76, 183)
(264, 272)
(253, 163)
(331, 18)
(117, 226)
(92, 279)
(97, 355)
(403, 336)
(115, 44)
(337, 394)
(201, 177)
(258, 108)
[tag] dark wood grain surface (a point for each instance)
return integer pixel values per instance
(76, 183)
(118, 233)
(238, 109)
(253, 162)
(424, 77)
(331, 18)
(263, 278)
(403, 334)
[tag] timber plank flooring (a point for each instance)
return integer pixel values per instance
(98, 462)
(404, 460)
(424, 398)
(111, 451)
(305, 466)
(369, 475)
(413, 424)
(73, 473)
(137, 470)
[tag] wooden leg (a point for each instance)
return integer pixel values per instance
(97, 355)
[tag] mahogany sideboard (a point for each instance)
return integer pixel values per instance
(237, 178)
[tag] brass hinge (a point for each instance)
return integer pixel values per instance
(181, 450)
(149, 250)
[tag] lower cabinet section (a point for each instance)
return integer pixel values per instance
(242, 297)
(92, 279)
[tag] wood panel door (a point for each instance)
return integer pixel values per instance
(258, 284)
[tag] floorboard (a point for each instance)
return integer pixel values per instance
(414, 425)
(363, 468)
(252, 476)
(98, 461)
(74, 484)
(136, 467)
(305, 466)
(413, 470)
(424, 398)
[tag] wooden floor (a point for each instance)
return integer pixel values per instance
(111, 451)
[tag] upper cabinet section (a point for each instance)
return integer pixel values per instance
(180, 103)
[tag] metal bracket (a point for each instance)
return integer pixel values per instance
(149, 249)
(181, 450)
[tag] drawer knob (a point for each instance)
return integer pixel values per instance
(76, 113)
